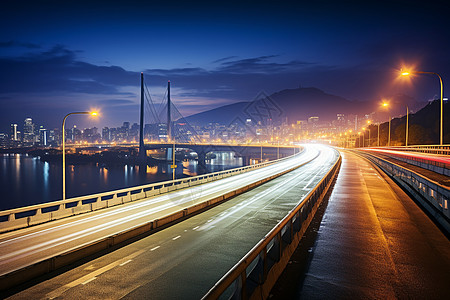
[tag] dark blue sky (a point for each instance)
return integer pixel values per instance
(62, 56)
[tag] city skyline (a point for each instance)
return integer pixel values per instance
(56, 58)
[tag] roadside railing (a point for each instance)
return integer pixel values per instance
(432, 149)
(432, 195)
(40, 213)
(256, 273)
(431, 163)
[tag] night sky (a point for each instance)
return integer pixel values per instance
(58, 57)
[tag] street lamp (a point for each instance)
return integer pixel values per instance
(363, 134)
(385, 104)
(378, 135)
(407, 121)
(64, 146)
(368, 128)
(359, 139)
(407, 73)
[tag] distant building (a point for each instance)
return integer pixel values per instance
(106, 136)
(134, 132)
(313, 120)
(43, 136)
(4, 140)
(13, 135)
(28, 132)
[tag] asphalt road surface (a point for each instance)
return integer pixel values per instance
(185, 260)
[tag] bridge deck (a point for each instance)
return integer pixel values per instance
(185, 260)
(374, 242)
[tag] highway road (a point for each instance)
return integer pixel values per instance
(24, 247)
(182, 261)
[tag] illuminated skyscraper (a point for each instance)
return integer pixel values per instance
(28, 132)
(13, 135)
(43, 136)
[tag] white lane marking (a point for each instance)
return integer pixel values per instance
(195, 228)
(249, 201)
(309, 182)
(91, 276)
(176, 238)
(89, 280)
(261, 195)
(124, 263)
(154, 248)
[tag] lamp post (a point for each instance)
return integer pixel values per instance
(363, 135)
(389, 133)
(64, 147)
(406, 73)
(407, 121)
(385, 104)
(378, 135)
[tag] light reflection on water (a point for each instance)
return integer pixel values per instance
(25, 180)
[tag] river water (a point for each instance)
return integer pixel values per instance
(26, 180)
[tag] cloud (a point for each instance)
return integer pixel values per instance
(220, 60)
(233, 79)
(115, 102)
(262, 65)
(13, 43)
(59, 70)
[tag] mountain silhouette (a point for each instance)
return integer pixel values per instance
(302, 103)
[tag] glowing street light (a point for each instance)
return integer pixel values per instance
(407, 73)
(93, 113)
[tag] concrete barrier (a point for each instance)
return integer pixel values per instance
(216, 200)
(79, 253)
(229, 195)
(169, 218)
(131, 233)
(138, 196)
(195, 208)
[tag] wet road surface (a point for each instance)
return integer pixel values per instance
(373, 242)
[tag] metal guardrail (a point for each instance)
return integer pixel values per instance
(31, 215)
(256, 273)
(423, 162)
(432, 165)
(433, 196)
(432, 149)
